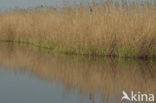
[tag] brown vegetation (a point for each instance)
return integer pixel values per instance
(114, 30)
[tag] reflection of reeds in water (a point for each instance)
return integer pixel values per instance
(114, 30)
(109, 77)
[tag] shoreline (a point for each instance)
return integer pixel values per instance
(54, 48)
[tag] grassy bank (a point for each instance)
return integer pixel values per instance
(112, 30)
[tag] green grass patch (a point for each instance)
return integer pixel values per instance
(71, 49)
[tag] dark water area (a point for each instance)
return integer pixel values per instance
(32, 75)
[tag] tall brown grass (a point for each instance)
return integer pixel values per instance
(111, 29)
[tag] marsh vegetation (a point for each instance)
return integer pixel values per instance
(109, 29)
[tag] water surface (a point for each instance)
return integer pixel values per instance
(32, 75)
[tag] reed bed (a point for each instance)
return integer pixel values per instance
(106, 30)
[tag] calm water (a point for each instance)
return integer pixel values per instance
(21, 87)
(29, 75)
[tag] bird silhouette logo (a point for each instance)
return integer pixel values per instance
(125, 96)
